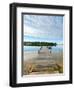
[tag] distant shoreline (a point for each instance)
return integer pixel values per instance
(39, 43)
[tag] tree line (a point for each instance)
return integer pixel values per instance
(39, 44)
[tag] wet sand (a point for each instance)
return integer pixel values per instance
(43, 63)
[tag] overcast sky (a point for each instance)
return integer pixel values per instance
(43, 28)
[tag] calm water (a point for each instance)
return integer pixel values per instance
(58, 48)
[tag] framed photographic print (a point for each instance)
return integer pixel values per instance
(40, 44)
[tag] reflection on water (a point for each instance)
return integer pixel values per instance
(56, 53)
(56, 49)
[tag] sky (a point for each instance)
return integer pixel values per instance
(43, 28)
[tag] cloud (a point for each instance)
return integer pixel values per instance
(43, 27)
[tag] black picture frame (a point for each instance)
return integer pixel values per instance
(13, 42)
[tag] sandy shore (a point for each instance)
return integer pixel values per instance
(42, 63)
